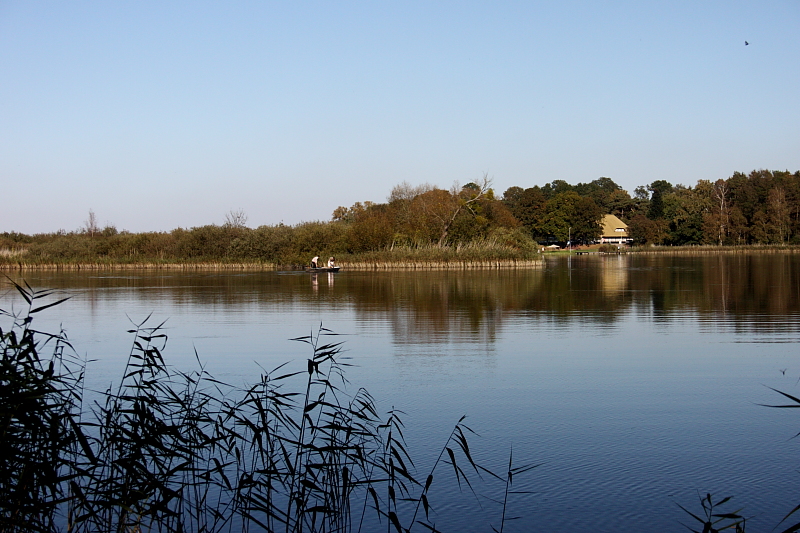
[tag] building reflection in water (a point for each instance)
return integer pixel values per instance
(748, 291)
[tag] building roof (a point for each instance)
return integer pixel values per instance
(613, 227)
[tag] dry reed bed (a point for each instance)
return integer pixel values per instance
(137, 266)
(442, 265)
(355, 265)
(7, 252)
(715, 250)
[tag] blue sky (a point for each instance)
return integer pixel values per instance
(159, 115)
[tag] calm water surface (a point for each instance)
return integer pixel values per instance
(635, 381)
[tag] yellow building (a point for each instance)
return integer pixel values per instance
(615, 231)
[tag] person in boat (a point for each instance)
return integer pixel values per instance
(331, 262)
(314, 261)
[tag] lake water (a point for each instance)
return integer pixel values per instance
(634, 380)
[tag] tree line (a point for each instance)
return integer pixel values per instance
(413, 219)
(762, 207)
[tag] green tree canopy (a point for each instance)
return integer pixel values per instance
(570, 215)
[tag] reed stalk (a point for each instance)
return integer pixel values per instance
(443, 265)
(69, 267)
(165, 450)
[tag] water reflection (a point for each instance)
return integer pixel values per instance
(627, 376)
(744, 291)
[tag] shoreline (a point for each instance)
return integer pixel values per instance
(137, 266)
(401, 264)
(273, 267)
(714, 249)
(496, 264)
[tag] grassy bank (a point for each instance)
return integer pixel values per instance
(79, 252)
(484, 254)
(491, 256)
(273, 245)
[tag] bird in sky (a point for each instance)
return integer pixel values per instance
(746, 43)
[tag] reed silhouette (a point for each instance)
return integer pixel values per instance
(167, 450)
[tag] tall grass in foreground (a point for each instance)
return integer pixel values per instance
(713, 522)
(175, 451)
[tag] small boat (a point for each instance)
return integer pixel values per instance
(322, 269)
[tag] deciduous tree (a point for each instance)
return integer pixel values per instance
(236, 219)
(645, 231)
(720, 193)
(569, 215)
(658, 189)
(530, 209)
(90, 224)
(442, 208)
(778, 214)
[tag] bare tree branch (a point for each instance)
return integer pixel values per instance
(463, 198)
(91, 224)
(236, 219)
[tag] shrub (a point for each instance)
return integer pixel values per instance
(608, 248)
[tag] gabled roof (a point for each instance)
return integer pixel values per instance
(611, 224)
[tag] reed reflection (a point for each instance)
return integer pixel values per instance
(445, 306)
(746, 291)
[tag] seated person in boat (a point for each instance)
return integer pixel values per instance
(331, 262)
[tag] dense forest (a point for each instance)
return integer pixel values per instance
(762, 207)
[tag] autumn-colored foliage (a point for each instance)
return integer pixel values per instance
(762, 207)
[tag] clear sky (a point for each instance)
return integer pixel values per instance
(159, 115)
